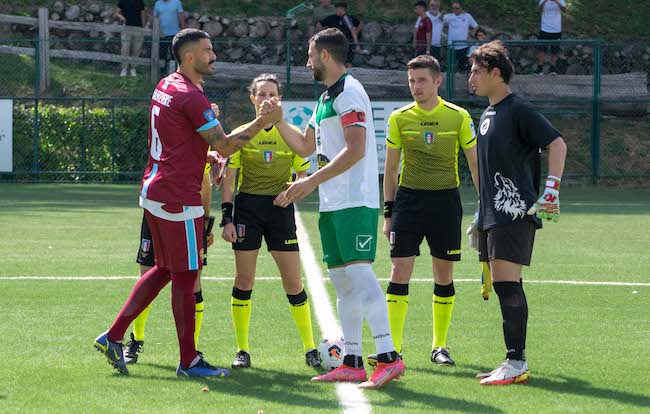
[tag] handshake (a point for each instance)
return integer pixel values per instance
(270, 112)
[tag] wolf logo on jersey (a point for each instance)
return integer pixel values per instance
(507, 199)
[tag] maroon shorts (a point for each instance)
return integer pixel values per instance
(178, 245)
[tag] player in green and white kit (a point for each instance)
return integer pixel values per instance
(342, 131)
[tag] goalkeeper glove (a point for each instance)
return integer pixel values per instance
(486, 280)
(547, 206)
(472, 231)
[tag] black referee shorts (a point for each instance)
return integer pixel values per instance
(145, 251)
(257, 217)
(434, 215)
(549, 36)
(511, 242)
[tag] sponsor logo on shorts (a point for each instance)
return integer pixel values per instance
(452, 252)
(364, 243)
(268, 156)
(391, 239)
(291, 241)
(428, 137)
(146, 245)
(241, 232)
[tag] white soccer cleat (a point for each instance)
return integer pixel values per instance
(123, 73)
(510, 372)
(133, 72)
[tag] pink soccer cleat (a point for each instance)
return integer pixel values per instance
(384, 373)
(343, 373)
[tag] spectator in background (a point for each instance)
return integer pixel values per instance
(349, 25)
(172, 20)
(551, 30)
(131, 14)
(422, 31)
(325, 10)
(459, 24)
(481, 35)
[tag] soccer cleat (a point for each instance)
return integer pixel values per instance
(343, 373)
(201, 369)
(242, 360)
(133, 72)
(112, 351)
(133, 348)
(311, 358)
(384, 373)
(441, 357)
(123, 73)
(510, 372)
(371, 359)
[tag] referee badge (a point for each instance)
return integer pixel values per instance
(428, 137)
(392, 239)
(146, 245)
(268, 156)
(241, 231)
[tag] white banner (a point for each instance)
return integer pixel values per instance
(298, 113)
(6, 136)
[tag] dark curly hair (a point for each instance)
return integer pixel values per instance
(494, 55)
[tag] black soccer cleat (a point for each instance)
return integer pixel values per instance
(371, 359)
(242, 360)
(441, 357)
(311, 358)
(133, 349)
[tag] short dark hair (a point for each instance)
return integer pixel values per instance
(265, 77)
(332, 40)
(479, 30)
(185, 37)
(341, 4)
(494, 55)
(425, 62)
(421, 3)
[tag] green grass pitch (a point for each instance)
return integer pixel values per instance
(587, 345)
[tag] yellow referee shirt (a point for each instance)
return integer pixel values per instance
(265, 163)
(429, 141)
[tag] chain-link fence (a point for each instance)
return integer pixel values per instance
(91, 123)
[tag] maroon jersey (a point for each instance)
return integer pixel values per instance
(421, 34)
(177, 152)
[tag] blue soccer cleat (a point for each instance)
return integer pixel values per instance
(112, 351)
(201, 369)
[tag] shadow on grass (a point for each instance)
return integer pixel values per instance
(297, 390)
(262, 384)
(401, 395)
(556, 383)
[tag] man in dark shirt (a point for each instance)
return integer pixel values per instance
(131, 14)
(422, 32)
(349, 25)
(511, 137)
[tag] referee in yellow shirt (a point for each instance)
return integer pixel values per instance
(263, 211)
(427, 134)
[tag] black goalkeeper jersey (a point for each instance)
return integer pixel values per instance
(511, 136)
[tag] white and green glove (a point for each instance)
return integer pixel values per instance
(548, 206)
(472, 231)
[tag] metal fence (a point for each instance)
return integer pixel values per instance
(91, 124)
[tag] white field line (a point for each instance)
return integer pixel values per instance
(350, 397)
(323, 280)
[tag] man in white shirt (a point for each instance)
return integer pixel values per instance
(551, 30)
(436, 30)
(459, 24)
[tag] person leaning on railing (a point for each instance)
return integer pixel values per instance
(131, 14)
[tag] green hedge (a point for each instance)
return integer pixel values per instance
(94, 137)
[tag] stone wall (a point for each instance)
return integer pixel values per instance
(263, 40)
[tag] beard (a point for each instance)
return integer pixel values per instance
(205, 69)
(318, 74)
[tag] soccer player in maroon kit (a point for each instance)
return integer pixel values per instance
(182, 127)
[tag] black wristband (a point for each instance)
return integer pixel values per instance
(388, 208)
(226, 214)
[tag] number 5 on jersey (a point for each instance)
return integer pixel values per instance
(156, 145)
